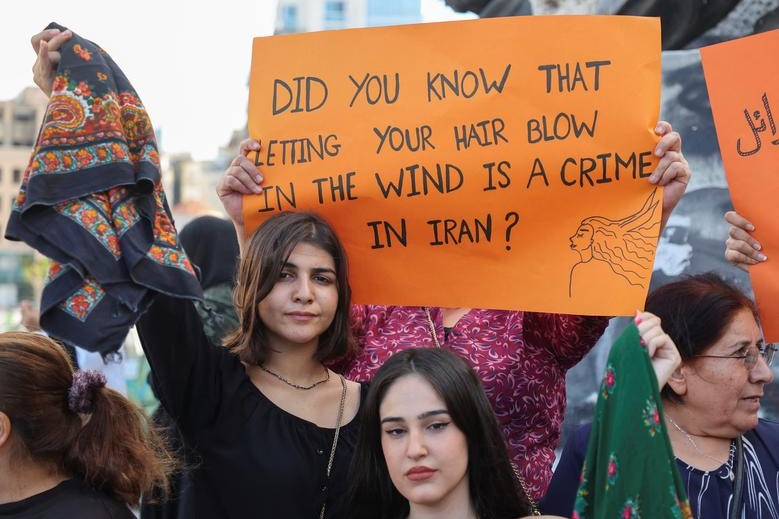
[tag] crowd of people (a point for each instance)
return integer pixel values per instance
(280, 398)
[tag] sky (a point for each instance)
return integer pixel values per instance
(188, 61)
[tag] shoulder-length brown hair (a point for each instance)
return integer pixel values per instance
(261, 265)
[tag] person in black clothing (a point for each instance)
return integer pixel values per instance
(69, 446)
(274, 428)
(211, 245)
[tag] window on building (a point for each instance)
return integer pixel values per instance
(289, 19)
(381, 8)
(2, 126)
(17, 175)
(23, 127)
(381, 12)
(335, 15)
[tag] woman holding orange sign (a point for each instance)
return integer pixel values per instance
(520, 357)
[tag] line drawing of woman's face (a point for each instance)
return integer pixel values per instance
(581, 240)
(626, 244)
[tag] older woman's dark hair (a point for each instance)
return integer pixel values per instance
(495, 491)
(696, 311)
(260, 267)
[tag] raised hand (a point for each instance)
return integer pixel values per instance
(672, 171)
(741, 248)
(662, 350)
(46, 45)
(240, 178)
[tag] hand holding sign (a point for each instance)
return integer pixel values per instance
(741, 248)
(672, 171)
(241, 178)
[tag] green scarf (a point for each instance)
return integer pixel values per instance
(630, 470)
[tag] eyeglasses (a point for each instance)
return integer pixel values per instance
(750, 357)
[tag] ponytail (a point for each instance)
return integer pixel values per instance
(118, 451)
(72, 422)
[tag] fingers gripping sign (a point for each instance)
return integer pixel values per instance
(741, 248)
(240, 178)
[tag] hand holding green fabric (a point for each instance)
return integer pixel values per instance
(630, 469)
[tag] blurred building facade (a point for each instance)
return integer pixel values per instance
(190, 186)
(20, 119)
(317, 15)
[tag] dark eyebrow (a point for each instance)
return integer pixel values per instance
(317, 270)
(320, 270)
(392, 419)
(426, 414)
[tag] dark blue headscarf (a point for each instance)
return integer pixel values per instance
(91, 200)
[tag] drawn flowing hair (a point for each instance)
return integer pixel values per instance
(627, 245)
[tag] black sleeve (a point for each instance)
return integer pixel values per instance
(185, 366)
(561, 494)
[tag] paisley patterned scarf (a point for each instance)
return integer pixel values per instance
(630, 470)
(91, 200)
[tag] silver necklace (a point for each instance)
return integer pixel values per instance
(728, 463)
(292, 384)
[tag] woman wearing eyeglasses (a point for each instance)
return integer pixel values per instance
(728, 456)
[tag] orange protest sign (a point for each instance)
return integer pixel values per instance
(493, 163)
(743, 85)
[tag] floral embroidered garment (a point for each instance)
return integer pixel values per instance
(630, 470)
(91, 200)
